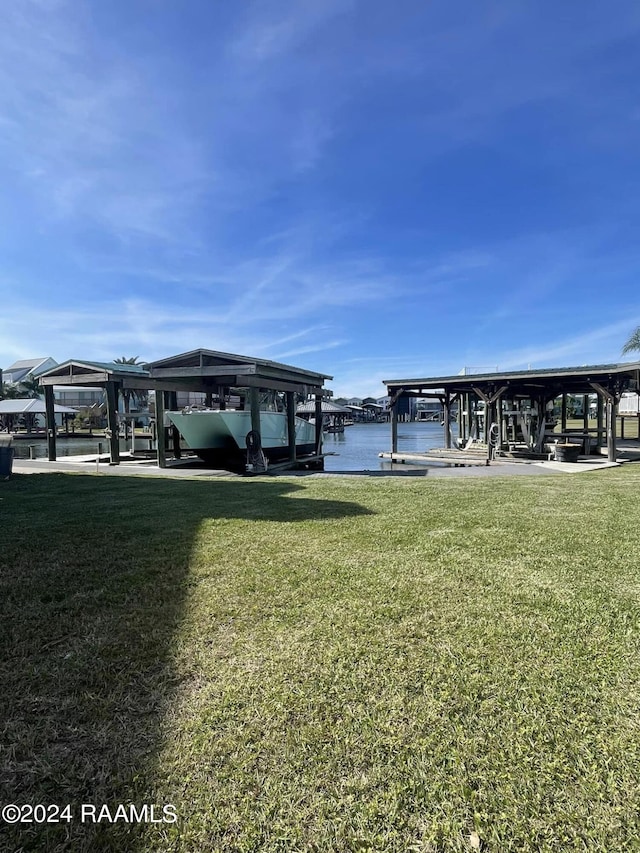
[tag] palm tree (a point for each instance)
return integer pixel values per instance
(13, 391)
(16, 391)
(129, 394)
(9, 391)
(633, 344)
(30, 387)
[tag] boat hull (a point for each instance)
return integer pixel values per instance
(219, 437)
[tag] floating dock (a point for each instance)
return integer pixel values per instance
(441, 455)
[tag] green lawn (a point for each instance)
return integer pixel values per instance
(630, 426)
(324, 664)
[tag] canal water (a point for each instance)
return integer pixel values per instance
(70, 446)
(356, 449)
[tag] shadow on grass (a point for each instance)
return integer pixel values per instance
(94, 574)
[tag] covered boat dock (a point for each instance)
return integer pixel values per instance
(504, 410)
(208, 372)
(333, 415)
(216, 373)
(108, 375)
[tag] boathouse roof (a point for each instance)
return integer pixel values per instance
(575, 380)
(82, 372)
(328, 408)
(232, 370)
(196, 370)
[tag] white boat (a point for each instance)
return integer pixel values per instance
(218, 436)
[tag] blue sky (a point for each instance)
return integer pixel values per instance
(368, 189)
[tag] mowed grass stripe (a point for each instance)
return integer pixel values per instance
(328, 664)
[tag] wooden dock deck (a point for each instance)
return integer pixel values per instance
(444, 455)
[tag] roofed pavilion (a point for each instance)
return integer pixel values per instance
(111, 376)
(607, 381)
(206, 371)
(215, 373)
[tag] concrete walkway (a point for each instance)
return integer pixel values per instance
(496, 469)
(188, 468)
(195, 468)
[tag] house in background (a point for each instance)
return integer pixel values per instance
(76, 397)
(30, 368)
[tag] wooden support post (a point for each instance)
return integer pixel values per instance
(291, 424)
(254, 403)
(318, 423)
(160, 433)
(456, 397)
(489, 408)
(473, 417)
(600, 419)
(563, 413)
(611, 397)
(611, 429)
(394, 428)
(480, 396)
(541, 408)
(585, 413)
(112, 422)
(489, 420)
(446, 410)
(50, 421)
(393, 407)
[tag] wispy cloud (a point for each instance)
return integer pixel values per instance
(365, 376)
(107, 329)
(83, 135)
(585, 347)
(297, 179)
(271, 29)
(102, 138)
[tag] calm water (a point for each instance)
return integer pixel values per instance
(357, 447)
(69, 447)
